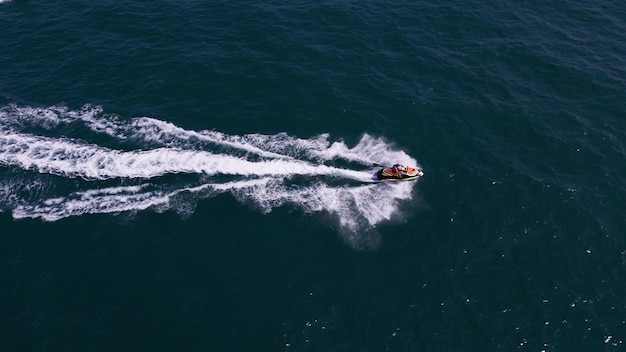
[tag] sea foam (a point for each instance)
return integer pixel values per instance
(268, 171)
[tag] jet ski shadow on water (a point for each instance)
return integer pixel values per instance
(399, 173)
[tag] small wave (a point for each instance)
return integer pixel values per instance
(254, 168)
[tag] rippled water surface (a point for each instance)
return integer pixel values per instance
(184, 175)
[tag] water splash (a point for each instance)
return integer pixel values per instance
(148, 164)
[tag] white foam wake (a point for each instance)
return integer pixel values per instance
(369, 150)
(134, 170)
(75, 159)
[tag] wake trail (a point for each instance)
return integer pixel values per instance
(49, 146)
(71, 159)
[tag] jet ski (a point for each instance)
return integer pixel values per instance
(399, 173)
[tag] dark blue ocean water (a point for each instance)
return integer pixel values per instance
(197, 176)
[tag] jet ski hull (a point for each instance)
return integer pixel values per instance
(411, 174)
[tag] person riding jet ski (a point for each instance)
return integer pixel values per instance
(398, 170)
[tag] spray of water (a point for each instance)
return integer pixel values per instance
(58, 162)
